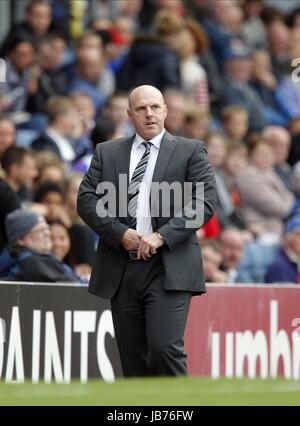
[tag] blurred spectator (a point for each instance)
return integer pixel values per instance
(236, 87)
(153, 59)
(253, 30)
(294, 126)
(130, 9)
(92, 77)
(116, 110)
(265, 200)
(196, 123)
(235, 123)
(21, 170)
(293, 19)
(236, 162)
(232, 245)
(217, 27)
(126, 28)
(175, 101)
(235, 16)
(49, 167)
(270, 14)
(61, 241)
(280, 140)
(14, 93)
(286, 267)
(47, 78)
(7, 134)
(29, 257)
(9, 202)
(52, 196)
(265, 84)
(63, 250)
(37, 23)
(62, 118)
(207, 60)
(89, 40)
(278, 38)
(212, 258)
(83, 103)
(104, 10)
(245, 260)
(193, 76)
(226, 211)
(289, 93)
(105, 129)
(86, 112)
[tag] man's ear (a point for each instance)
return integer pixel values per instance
(129, 113)
(166, 110)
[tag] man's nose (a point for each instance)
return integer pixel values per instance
(149, 111)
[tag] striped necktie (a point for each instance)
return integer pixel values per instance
(134, 186)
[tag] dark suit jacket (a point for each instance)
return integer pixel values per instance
(46, 143)
(179, 160)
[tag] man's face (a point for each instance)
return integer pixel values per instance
(27, 171)
(237, 125)
(239, 69)
(232, 249)
(117, 109)
(147, 111)
(91, 67)
(38, 239)
(23, 56)
(281, 145)
(39, 18)
(7, 135)
(175, 117)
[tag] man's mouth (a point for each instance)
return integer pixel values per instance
(150, 123)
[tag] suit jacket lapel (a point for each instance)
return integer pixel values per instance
(122, 167)
(166, 150)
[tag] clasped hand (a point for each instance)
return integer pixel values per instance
(145, 245)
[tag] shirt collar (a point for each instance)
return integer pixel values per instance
(156, 141)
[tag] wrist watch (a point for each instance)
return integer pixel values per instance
(160, 237)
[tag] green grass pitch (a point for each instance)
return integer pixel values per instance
(156, 392)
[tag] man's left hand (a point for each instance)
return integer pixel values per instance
(148, 246)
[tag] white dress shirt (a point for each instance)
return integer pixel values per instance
(63, 144)
(143, 215)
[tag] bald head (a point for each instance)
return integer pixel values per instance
(144, 90)
(147, 111)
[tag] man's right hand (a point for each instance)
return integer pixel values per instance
(131, 240)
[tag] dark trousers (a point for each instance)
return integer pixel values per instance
(149, 321)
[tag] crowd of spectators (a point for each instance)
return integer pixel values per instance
(227, 71)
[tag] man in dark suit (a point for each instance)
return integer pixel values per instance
(149, 265)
